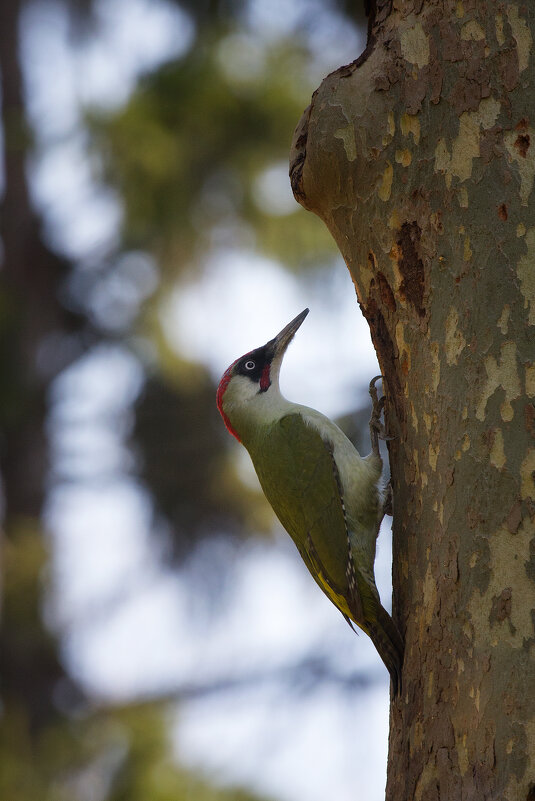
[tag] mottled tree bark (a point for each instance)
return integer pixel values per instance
(419, 157)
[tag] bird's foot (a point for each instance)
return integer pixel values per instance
(377, 429)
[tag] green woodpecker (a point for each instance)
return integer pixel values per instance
(327, 496)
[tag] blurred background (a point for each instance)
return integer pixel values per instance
(160, 637)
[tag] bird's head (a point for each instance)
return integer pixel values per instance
(254, 377)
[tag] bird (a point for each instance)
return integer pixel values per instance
(325, 494)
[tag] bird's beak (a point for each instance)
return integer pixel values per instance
(283, 339)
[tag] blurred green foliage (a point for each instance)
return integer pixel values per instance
(186, 157)
(88, 753)
(188, 150)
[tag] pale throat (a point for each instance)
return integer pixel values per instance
(247, 409)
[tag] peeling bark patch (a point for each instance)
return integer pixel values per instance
(387, 296)
(411, 266)
(501, 373)
(454, 342)
(411, 124)
(467, 49)
(298, 155)
(517, 144)
(497, 453)
(470, 89)
(347, 135)
(508, 68)
(414, 92)
(404, 157)
(466, 146)
(472, 31)
(415, 45)
(526, 274)
(491, 144)
(385, 348)
(501, 608)
(404, 353)
(522, 144)
(514, 518)
(527, 475)
(380, 331)
(296, 178)
(521, 35)
(385, 186)
(507, 569)
(479, 562)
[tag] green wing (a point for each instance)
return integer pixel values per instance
(300, 479)
(298, 475)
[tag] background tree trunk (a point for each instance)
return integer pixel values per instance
(419, 159)
(30, 311)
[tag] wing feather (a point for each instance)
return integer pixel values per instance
(298, 474)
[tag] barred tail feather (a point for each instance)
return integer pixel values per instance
(388, 642)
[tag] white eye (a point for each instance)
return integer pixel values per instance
(250, 365)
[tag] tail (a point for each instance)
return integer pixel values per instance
(371, 617)
(385, 636)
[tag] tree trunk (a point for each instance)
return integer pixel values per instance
(418, 158)
(30, 312)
